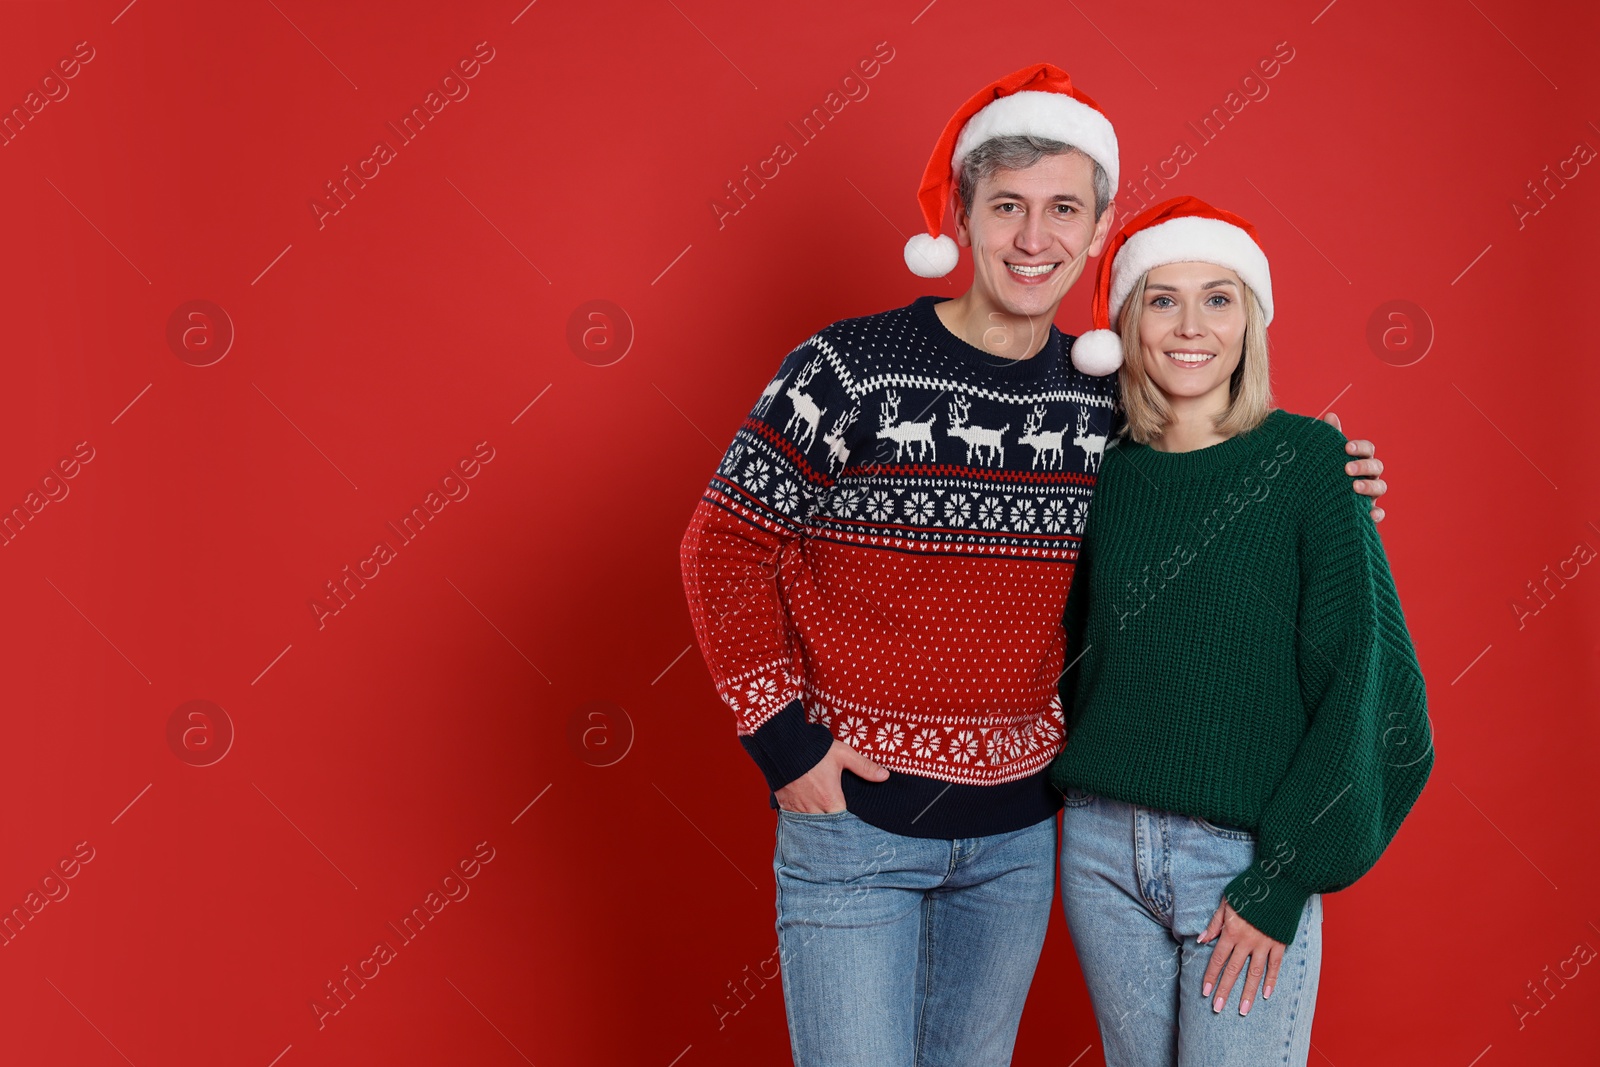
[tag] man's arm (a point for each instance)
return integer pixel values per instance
(1365, 468)
(771, 480)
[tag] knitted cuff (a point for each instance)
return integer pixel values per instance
(1271, 905)
(786, 746)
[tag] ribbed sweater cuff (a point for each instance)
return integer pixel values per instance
(786, 746)
(1277, 914)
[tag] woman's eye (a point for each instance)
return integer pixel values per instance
(1161, 302)
(1218, 300)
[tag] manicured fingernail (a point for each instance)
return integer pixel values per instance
(1244, 1007)
(1205, 990)
(1216, 1006)
(1267, 993)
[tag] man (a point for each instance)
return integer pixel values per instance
(876, 575)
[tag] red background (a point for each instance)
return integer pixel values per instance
(448, 702)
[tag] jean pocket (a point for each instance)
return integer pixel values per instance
(813, 816)
(1073, 797)
(1228, 833)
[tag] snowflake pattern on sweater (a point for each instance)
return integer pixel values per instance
(889, 541)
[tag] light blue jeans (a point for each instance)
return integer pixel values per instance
(907, 951)
(1138, 887)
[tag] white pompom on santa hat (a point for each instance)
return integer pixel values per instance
(1181, 230)
(1038, 100)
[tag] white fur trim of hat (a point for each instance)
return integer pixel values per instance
(1191, 239)
(1052, 115)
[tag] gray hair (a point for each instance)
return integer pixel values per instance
(1018, 152)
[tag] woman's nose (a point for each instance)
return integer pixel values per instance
(1189, 322)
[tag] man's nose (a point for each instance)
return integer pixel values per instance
(1032, 238)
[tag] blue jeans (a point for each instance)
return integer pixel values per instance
(1138, 887)
(907, 951)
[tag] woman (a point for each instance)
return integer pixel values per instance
(1247, 722)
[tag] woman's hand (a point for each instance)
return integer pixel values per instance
(1237, 940)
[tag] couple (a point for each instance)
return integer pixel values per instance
(932, 644)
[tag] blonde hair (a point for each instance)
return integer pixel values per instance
(1146, 409)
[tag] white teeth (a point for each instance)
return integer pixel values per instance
(1190, 357)
(1032, 272)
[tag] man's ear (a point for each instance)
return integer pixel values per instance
(963, 232)
(1103, 228)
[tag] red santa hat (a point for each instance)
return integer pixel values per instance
(1038, 100)
(1181, 230)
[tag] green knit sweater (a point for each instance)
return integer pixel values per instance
(1237, 652)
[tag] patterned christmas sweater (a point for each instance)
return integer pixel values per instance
(883, 557)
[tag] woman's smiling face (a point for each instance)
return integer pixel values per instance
(1191, 329)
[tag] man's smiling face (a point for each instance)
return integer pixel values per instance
(1031, 231)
